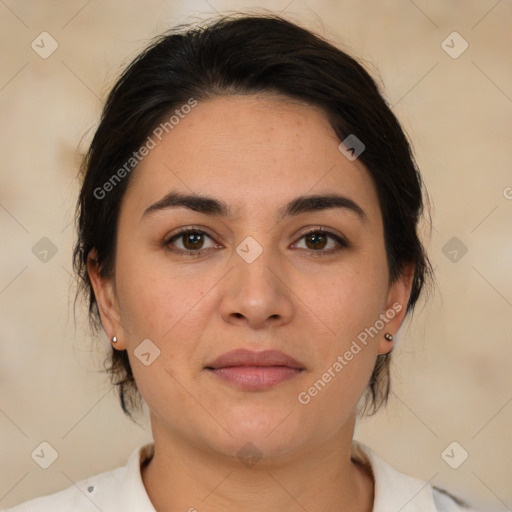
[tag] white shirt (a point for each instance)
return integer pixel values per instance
(122, 490)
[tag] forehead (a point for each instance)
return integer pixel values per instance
(250, 151)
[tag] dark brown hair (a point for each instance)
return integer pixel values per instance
(247, 55)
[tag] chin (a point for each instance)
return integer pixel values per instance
(260, 434)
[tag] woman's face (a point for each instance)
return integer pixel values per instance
(253, 279)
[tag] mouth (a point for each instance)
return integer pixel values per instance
(255, 371)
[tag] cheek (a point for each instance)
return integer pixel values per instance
(349, 301)
(151, 295)
(167, 304)
(347, 350)
(350, 297)
(166, 307)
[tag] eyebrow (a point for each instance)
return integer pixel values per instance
(216, 207)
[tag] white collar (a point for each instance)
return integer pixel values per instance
(122, 489)
(393, 490)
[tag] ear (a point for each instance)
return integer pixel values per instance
(104, 291)
(396, 305)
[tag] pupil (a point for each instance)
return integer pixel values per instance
(194, 239)
(316, 238)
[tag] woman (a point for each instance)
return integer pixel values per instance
(247, 239)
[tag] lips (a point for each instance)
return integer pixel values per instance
(242, 357)
(255, 371)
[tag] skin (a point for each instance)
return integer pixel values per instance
(256, 153)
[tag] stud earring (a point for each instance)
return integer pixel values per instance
(389, 337)
(114, 339)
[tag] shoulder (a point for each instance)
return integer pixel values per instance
(447, 502)
(79, 497)
(397, 491)
(121, 489)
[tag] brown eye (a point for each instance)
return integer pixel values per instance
(191, 240)
(318, 240)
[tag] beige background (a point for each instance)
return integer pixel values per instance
(452, 376)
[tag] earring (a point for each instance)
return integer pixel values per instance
(114, 339)
(389, 337)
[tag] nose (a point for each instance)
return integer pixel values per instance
(257, 294)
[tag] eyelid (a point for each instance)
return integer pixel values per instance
(186, 229)
(340, 239)
(321, 229)
(337, 237)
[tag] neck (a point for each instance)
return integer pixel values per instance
(185, 477)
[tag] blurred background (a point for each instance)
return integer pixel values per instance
(445, 69)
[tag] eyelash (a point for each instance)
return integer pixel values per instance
(343, 244)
